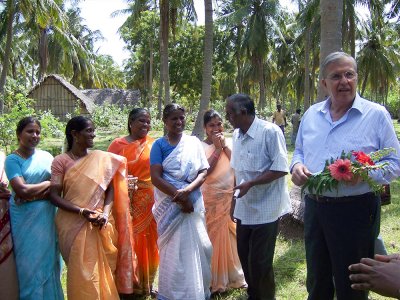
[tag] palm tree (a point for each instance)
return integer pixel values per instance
(207, 68)
(257, 17)
(378, 58)
(10, 8)
(140, 30)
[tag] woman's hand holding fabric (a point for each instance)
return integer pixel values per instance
(90, 215)
(102, 220)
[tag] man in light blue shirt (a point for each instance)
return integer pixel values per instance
(341, 225)
(259, 160)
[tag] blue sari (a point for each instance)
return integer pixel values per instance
(34, 232)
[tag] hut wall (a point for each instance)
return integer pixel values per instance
(53, 96)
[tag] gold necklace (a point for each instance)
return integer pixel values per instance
(73, 156)
(169, 142)
(20, 154)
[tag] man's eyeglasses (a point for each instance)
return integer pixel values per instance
(348, 75)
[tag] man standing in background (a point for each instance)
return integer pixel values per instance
(295, 120)
(279, 118)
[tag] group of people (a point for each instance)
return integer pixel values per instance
(204, 214)
(113, 241)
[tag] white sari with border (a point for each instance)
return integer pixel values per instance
(184, 245)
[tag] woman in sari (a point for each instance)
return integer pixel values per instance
(136, 148)
(226, 270)
(93, 225)
(8, 272)
(32, 216)
(178, 168)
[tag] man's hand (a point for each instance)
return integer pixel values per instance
(300, 174)
(381, 275)
(243, 187)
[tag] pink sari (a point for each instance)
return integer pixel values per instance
(226, 270)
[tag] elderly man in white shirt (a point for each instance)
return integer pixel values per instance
(259, 159)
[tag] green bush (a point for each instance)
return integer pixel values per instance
(110, 116)
(20, 108)
(51, 125)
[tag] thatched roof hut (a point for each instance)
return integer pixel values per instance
(113, 96)
(55, 93)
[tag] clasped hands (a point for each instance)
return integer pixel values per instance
(4, 192)
(98, 219)
(181, 198)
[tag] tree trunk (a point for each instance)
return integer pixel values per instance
(352, 30)
(307, 46)
(331, 34)
(7, 52)
(239, 78)
(164, 28)
(151, 62)
(161, 83)
(207, 69)
(261, 81)
(43, 53)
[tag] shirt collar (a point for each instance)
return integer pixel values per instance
(251, 132)
(357, 104)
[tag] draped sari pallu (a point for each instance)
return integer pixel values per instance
(217, 191)
(144, 226)
(185, 249)
(100, 263)
(8, 273)
(6, 245)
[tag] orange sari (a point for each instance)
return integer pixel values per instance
(100, 262)
(226, 270)
(145, 236)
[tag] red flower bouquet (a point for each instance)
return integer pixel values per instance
(348, 168)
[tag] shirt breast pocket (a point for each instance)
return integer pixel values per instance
(252, 162)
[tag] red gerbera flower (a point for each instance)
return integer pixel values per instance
(341, 170)
(363, 158)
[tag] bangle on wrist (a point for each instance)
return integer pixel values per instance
(81, 211)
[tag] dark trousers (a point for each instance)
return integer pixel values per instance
(336, 236)
(256, 246)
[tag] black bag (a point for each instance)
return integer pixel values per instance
(385, 195)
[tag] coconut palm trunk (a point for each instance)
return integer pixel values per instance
(207, 69)
(7, 53)
(331, 33)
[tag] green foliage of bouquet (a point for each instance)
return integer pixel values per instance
(348, 168)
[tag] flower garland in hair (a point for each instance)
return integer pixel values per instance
(348, 168)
